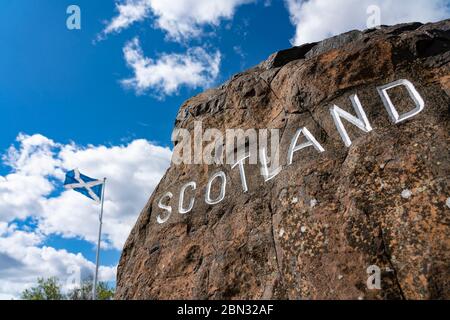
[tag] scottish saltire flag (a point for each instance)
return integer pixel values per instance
(91, 188)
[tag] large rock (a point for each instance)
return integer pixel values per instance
(313, 230)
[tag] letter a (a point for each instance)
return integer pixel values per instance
(74, 20)
(311, 142)
(374, 279)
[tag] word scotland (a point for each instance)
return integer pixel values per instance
(338, 115)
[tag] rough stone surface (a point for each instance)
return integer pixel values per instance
(312, 231)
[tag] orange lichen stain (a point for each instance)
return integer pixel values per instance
(445, 82)
(329, 56)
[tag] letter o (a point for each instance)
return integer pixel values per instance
(181, 210)
(208, 199)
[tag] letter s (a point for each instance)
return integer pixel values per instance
(164, 207)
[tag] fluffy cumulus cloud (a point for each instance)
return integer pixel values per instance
(164, 76)
(318, 19)
(180, 19)
(32, 190)
(23, 259)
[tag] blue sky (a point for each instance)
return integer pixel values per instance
(57, 78)
(64, 104)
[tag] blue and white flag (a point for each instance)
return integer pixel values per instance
(91, 188)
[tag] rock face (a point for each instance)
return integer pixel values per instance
(313, 230)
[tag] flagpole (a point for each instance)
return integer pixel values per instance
(94, 289)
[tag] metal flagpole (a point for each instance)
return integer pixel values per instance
(94, 289)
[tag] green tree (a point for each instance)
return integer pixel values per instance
(49, 289)
(104, 292)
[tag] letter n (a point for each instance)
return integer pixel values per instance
(361, 121)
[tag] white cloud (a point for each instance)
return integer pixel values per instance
(23, 260)
(21, 190)
(132, 170)
(31, 191)
(318, 19)
(195, 68)
(181, 19)
(129, 12)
